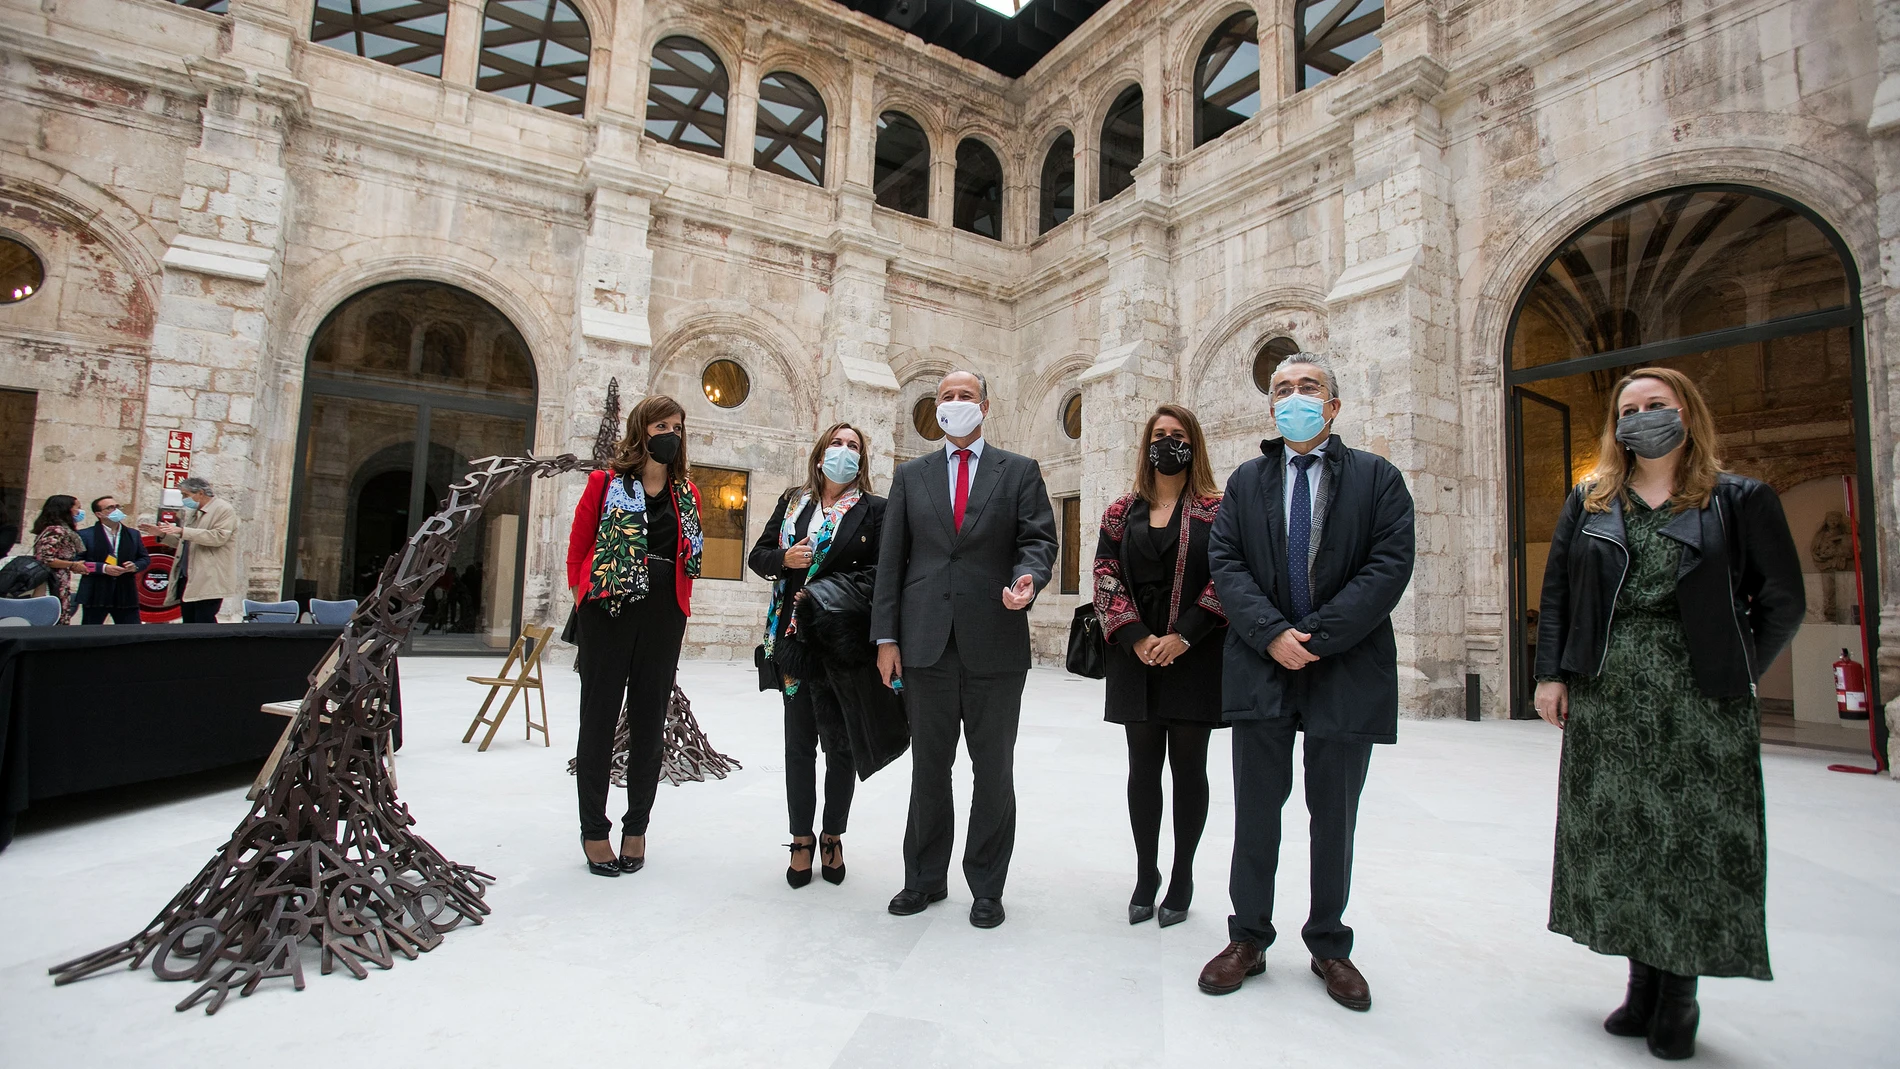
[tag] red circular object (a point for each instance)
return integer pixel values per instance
(154, 581)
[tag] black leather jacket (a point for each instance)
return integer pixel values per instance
(1739, 587)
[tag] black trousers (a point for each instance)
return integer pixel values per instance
(627, 661)
(1263, 780)
(944, 699)
(802, 736)
(120, 614)
(200, 612)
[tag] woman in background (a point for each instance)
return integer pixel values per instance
(57, 545)
(1163, 624)
(632, 556)
(1671, 586)
(828, 525)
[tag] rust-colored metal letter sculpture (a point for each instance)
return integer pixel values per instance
(327, 854)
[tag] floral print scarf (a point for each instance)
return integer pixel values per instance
(620, 546)
(820, 544)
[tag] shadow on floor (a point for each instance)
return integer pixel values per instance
(56, 813)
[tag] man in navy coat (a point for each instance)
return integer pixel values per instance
(1310, 554)
(115, 555)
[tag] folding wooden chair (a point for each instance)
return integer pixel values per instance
(528, 650)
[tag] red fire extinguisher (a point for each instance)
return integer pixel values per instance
(1850, 688)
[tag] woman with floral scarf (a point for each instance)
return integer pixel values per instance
(825, 526)
(632, 557)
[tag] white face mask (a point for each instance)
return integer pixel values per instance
(959, 418)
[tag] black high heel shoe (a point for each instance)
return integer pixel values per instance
(831, 846)
(798, 877)
(1146, 884)
(629, 864)
(1168, 914)
(600, 868)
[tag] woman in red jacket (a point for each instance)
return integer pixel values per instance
(631, 560)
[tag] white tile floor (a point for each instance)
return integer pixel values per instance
(707, 958)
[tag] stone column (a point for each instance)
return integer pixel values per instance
(855, 378)
(1880, 299)
(1134, 367)
(462, 43)
(1391, 321)
(209, 372)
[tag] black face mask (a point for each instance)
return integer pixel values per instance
(1170, 456)
(664, 448)
(1651, 434)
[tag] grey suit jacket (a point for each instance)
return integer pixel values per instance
(930, 576)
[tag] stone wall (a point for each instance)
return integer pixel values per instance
(206, 188)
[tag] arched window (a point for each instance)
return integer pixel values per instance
(407, 35)
(686, 96)
(1121, 143)
(901, 176)
(978, 207)
(407, 385)
(1227, 78)
(791, 130)
(1058, 183)
(21, 272)
(535, 51)
(1331, 35)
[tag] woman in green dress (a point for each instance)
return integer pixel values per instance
(1671, 586)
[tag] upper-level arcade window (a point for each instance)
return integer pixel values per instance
(535, 51)
(1332, 35)
(686, 96)
(1227, 78)
(978, 206)
(902, 174)
(401, 33)
(790, 138)
(1058, 183)
(216, 7)
(1121, 143)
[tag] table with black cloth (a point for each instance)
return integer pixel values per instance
(85, 708)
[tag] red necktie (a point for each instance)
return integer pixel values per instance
(963, 486)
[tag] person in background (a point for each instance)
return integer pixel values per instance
(969, 538)
(827, 525)
(632, 556)
(1670, 588)
(114, 557)
(56, 544)
(1164, 628)
(207, 569)
(1311, 552)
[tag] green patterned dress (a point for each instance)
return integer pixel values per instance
(1661, 845)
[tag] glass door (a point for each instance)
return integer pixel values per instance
(1543, 473)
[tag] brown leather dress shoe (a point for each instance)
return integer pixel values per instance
(1231, 967)
(1344, 983)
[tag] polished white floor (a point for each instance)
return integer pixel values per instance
(707, 959)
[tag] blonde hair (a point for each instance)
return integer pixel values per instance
(630, 456)
(1200, 474)
(1696, 468)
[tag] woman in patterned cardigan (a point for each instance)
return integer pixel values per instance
(632, 557)
(1164, 628)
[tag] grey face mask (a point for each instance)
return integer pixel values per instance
(1652, 434)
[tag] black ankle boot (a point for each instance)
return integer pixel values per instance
(1639, 1005)
(1672, 1031)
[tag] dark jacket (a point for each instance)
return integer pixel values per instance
(1739, 586)
(854, 547)
(1188, 689)
(1361, 564)
(99, 590)
(832, 648)
(932, 576)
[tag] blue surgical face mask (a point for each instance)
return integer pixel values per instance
(79, 517)
(116, 516)
(1300, 418)
(841, 464)
(191, 504)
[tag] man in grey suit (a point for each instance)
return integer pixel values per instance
(969, 538)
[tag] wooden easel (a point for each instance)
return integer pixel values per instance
(535, 640)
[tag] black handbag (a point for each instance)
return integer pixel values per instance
(1088, 651)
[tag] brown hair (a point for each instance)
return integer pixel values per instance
(1200, 473)
(815, 477)
(1696, 469)
(630, 456)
